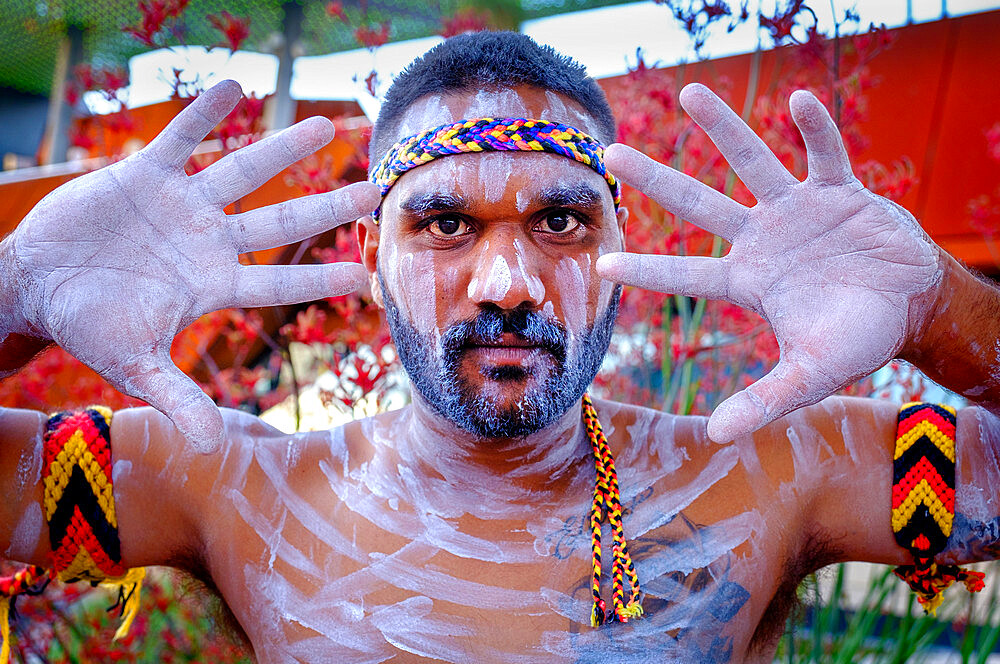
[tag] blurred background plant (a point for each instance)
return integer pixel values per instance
(670, 352)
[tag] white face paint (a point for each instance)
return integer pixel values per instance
(521, 200)
(450, 284)
(573, 294)
(418, 288)
(498, 281)
(536, 289)
(559, 111)
(503, 102)
(430, 112)
(473, 290)
(494, 172)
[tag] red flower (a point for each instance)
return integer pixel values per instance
(308, 327)
(371, 83)
(780, 25)
(234, 30)
(243, 125)
(993, 141)
(155, 14)
(465, 20)
(336, 10)
(114, 79)
(984, 215)
(371, 38)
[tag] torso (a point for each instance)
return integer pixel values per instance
(332, 548)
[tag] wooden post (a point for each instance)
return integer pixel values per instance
(60, 113)
(284, 106)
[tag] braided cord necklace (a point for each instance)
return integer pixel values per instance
(607, 505)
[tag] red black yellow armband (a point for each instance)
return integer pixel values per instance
(923, 500)
(79, 507)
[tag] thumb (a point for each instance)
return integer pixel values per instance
(170, 391)
(790, 385)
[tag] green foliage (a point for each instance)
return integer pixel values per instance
(177, 623)
(828, 632)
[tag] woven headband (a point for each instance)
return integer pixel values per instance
(492, 134)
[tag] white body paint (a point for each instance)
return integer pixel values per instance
(498, 280)
(26, 534)
(358, 566)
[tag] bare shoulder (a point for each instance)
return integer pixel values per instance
(170, 497)
(822, 472)
(652, 439)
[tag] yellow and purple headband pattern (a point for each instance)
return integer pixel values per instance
(492, 134)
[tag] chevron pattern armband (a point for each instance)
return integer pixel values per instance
(79, 507)
(923, 500)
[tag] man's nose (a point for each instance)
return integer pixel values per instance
(503, 276)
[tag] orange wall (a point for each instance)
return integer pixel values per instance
(937, 95)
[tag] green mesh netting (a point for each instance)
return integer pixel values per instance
(32, 30)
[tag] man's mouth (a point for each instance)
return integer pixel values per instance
(508, 349)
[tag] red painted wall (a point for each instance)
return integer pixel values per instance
(937, 96)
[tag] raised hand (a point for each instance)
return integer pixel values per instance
(114, 263)
(844, 277)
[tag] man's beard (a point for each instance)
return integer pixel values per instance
(435, 369)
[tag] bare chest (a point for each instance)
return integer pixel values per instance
(385, 578)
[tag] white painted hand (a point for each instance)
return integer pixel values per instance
(843, 276)
(113, 264)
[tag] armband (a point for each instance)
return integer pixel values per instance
(79, 508)
(923, 500)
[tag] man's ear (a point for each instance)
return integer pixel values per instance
(369, 235)
(622, 219)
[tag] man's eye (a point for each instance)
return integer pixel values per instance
(448, 227)
(558, 222)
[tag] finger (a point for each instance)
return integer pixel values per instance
(828, 161)
(299, 218)
(271, 285)
(166, 388)
(752, 161)
(694, 276)
(677, 192)
(246, 169)
(185, 132)
(792, 384)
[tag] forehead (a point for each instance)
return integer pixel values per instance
(520, 102)
(492, 169)
(485, 179)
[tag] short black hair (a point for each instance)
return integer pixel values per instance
(488, 60)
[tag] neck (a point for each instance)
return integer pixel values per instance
(548, 461)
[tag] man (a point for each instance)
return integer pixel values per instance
(456, 529)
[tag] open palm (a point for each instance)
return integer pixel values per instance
(842, 275)
(114, 263)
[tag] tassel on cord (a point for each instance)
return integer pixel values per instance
(607, 505)
(129, 589)
(22, 582)
(5, 629)
(929, 580)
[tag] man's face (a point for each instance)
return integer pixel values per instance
(486, 264)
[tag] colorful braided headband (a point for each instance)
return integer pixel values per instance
(492, 134)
